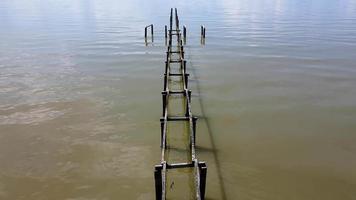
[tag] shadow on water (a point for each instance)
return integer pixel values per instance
(210, 133)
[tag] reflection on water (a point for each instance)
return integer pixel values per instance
(274, 86)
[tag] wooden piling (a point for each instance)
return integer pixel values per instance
(201, 31)
(203, 171)
(158, 181)
(165, 31)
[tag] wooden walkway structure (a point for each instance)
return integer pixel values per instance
(175, 58)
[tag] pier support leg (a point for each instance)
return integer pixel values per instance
(195, 119)
(202, 35)
(165, 83)
(185, 34)
(201, 31)
(189, 97)
(182, 51)
(185, 66)
(152, 32)
(165, 34)
(165, 31)
(164, 101)
(186, 80)
(158, 181)
(203, 171)
(162, 131)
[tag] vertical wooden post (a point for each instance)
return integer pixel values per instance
(186, 80)
(158, 181)
(177, 20)
(203, 170)
(149, 26)
(165, 82)
(184, 34)
(202, 34)
(165, 31)
(187, 106)
(152, 32)
(167, 59)
(201, 31)
(182, 51)
(164, 102)
(162, 131)
(165, 77)
(171, 20)
(195, 119)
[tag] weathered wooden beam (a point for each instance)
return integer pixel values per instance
(179, 165)
(176, 74)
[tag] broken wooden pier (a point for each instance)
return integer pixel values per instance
(175, 60)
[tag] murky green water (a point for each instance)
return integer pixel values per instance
(274, 88)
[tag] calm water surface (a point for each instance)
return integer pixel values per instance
(274, 88)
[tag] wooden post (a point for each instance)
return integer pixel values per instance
(152, 32)
(201, 31)
(149, 26)
(185, 33)
(164, 101)
(171, 20)
(165, 82)
(186, 78)
(158, 181)
(177, 20)
(187, 104)
(203, 171)
(202, 34)
(162, 131)
(167, 58)
(182, 51)
(165, 31)
(185, 71)
(195, 119)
